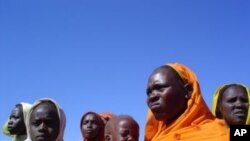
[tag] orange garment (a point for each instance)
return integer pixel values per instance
(107, 115)
(197, 122)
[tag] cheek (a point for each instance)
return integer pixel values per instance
(83, 128)
(246, 105)
(225, 108)
(147, 101)
(96, 129)
(52, 131)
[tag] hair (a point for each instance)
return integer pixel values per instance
(221, 93)
(19, 105)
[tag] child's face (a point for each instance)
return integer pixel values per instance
(127, 131)
(44, 123)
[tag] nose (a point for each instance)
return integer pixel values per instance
(154, 96)
(130, 138)
(89, 125)
(239, 104)
(10, 122)
(42, 127)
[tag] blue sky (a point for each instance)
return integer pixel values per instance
(97, 55)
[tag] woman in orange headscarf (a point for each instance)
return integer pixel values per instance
(177, 109)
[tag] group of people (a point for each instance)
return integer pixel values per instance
(177, 111)
(45, 121)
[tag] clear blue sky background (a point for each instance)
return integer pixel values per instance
(93, 55)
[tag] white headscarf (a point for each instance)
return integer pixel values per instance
(60, 112)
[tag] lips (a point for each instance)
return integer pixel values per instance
(89, 130)
(241, 113)
(9, 127)
(42, 136)
(154, 106)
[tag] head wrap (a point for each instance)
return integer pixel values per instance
(26, 108)
(61, 115)
(196, 123)
(218, 92)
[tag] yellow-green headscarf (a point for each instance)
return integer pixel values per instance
(216, 96)
(26, 108)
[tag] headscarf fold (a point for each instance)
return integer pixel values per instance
(26, 108)
(195, 124)
(100, 122)
(218, 92)
(107, 116)
(61, 115)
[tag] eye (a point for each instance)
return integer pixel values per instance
(124, 133)
(231, 100)
(85, 122)
(148, 91)
(36, 123)
(243, 99)
(161, 87)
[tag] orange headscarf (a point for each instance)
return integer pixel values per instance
(195, 124)
(107, 116)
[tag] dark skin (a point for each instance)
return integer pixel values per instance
(16, 125)
(44, 122)
(234, 105)
(90, 127)
(127, 129)
(167, 94)
(122, 128)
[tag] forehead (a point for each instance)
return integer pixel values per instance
(234, 91)
(90, 116)
(126, 123)
(44, 109)
(17, 110)
(162, 75)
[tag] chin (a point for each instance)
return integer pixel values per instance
(159, 116)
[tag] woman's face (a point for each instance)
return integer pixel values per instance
(16, 125)
(165, 95)
(90, 126)
(234, 105)
(44, 123)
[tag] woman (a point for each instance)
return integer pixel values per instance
(92, 127)
(46, 121)
(177, 109)
(15, 126)
(231, 103)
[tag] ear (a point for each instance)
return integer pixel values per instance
(108, 138)
(189, 90)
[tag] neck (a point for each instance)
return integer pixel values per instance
(92, 139)
(21, 137)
